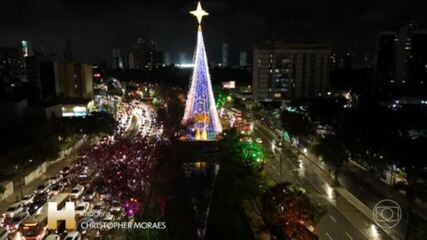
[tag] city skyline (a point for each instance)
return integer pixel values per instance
(117, 25)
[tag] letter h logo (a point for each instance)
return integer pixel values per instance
(54, 215)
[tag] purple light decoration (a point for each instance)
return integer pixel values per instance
(200, 108)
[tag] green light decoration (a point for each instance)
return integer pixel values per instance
(252, 153)
(221, 97)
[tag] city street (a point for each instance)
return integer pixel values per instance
(127, 157)
(334, 225)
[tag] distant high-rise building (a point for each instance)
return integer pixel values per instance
(43, 81)
(131, 60)
(400, 65)
(283, 71)
(26, 49)
(76, 79)
(11, 61)
(385, 64)
(167, 59)
(147, 54)
(182, 58)
(243, 59)
(224, 55)
(418, 64)
(117, 59)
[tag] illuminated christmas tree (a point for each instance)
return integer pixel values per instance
(200, 114)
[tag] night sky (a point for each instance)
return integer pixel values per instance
(95, 27)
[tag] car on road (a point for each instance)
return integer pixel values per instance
(14, 209)
(57, 188)
(109, 218)
(27, 199)
(43, 188)
(115, 207)
(82, 209)
(54, 179)
(52, 237)
(14, 223)
(65, 171)
(65, 182)
(84, 179)
(39, 200)
(73, 236)
(89, 195)
(4, 233)
(258, 140)
(104, 195)
(98, 210)
(77, 192)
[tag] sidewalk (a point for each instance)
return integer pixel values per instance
(53, 168)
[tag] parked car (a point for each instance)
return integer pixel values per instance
(2, 218)
(82, 209)
(73, 236)
(77, 192)
(27, 199)
(16, 221)
(14, 209)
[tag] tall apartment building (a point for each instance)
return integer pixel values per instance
(224, 55)
(76, 80)
(283, 71)
(43, 81)
(401, 63)
(243, 59)
(117, 59)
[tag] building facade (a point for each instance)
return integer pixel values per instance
(283, 71)
(43, 81)
(243, 59)
(224, 55)
(401, 63)
(76, 80)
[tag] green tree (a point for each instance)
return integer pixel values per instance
(296, 124)
(333, 152)
(289, 212)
